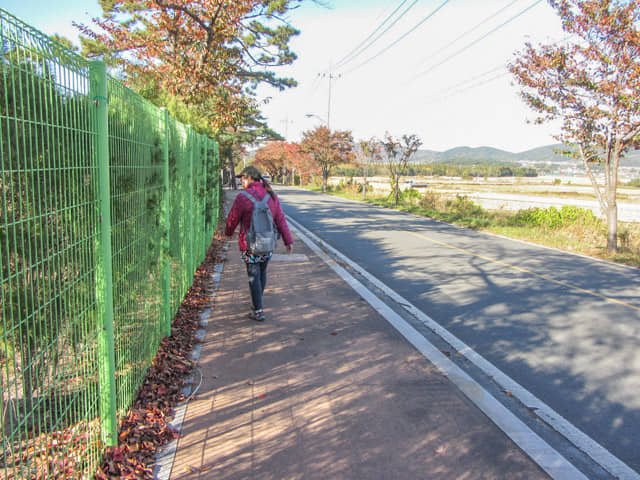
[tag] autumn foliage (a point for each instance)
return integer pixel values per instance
(328, 148)
(285, 159)
(368, 155)
(192, 48)
(591, 85)
(202, 59)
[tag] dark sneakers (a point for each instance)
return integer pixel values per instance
(257, 315)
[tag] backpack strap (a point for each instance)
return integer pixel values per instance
(249, 196)
(265, 199)
(253, 199)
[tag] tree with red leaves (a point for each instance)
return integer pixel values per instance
(283, 159)
(328, 148)
(272, 159)
(203, 59)
(298, 162)
(592, 85)
(192, 48)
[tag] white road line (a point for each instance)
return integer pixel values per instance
(543, 454)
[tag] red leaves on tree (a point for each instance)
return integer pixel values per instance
(592, 85)
(328, 148)
(283, 158)
(192, 48)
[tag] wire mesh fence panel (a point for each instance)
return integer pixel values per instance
(210, 193)
(135, 163)
(199, 192)
(180, 220)
(48, 356)
(214, 181)
(52, 290)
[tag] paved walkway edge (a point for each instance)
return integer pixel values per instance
(165, 457)
(540, 451)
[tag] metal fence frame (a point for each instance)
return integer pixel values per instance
(108, 205)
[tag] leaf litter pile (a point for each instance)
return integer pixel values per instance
(144, 430)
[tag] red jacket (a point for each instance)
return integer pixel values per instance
(241, 212)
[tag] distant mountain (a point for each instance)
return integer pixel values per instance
(481, 154)
(494, 156)
(548, 153)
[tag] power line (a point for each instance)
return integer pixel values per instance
(469, 45)
(470, 80)
(402, 36)
(314, 85)
(495, 14)
(466, 85)
(348, 55)
(311, 88)
(380, 35)
(448, 93)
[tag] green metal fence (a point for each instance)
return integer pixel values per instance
(108, 205)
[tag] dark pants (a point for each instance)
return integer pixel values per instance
(257, 281)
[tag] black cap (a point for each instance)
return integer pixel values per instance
(250, 171)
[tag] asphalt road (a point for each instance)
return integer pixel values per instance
(565, 327)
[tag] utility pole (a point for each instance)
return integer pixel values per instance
(331, 76)
(286, 122)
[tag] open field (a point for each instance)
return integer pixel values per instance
(513, 194)
(504, 207)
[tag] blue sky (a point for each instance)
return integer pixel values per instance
(53, 17)
(450, 89)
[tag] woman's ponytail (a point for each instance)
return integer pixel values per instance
(267, 187)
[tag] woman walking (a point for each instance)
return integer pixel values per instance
(240, 213)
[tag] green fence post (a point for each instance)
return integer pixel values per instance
(104, 276)
(218, 172)
(166, 216)
(190, 142)
(203, 200)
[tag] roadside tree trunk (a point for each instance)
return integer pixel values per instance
(612, 227)
(607, 200)
(397, 189)
(364, 183)
(325, 177)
